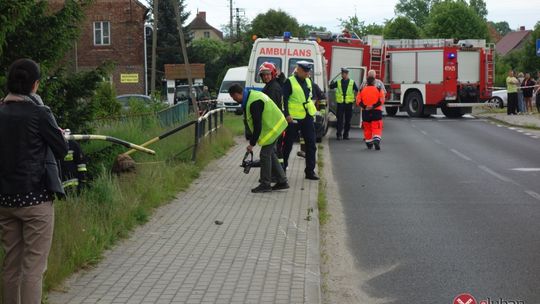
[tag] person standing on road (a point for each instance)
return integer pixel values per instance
(30, 140)
(521, 100)
(371, 99)
(266, 122)
(511, 87)
(528, 86)
(299, 111)
(537, 92)
(346, 90)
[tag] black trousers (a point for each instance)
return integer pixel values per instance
(344, 114)
(512, 103)
(307, 127)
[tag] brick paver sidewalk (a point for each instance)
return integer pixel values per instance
(264, 252)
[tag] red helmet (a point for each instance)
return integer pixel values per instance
(268, 67)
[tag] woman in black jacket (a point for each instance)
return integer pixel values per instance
(30, 140)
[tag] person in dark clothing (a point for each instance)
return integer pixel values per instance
(528, 85)
(30, 140)
(266, 122)
(299, 111)
(346, 90)
(318, 96)
(74, 171)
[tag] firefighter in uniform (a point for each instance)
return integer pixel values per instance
(266, 123)
(371, 99)
(346, 90)
(74, 172)
(299, 111)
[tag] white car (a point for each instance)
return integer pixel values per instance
(499, 98)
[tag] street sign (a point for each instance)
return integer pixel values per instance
(538, 47)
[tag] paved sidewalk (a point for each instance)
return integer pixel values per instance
(526, 121)
(264, 252)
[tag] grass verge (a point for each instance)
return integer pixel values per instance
(90, 222)
(322, 201)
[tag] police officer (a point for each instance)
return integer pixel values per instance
(371, 99)
(299, 111)
(266, 122)
(346, 90)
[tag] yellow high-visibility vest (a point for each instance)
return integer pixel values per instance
(298, 104)
(273, 121)
(349, 97)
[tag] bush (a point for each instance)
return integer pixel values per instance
(104, 101)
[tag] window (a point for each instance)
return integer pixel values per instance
(206, 34)
(102, 33)
(275, 60)
(292, 65)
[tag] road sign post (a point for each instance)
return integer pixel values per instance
(538, 47)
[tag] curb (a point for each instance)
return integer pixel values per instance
(312, 282)
(500, 121)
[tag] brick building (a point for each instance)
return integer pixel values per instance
(112, 30)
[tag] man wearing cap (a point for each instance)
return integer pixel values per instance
(346, 91)
(299, 111)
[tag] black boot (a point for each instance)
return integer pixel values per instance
(369, 145)
(261, 189)
(377, 144)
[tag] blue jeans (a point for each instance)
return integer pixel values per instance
(521, 102)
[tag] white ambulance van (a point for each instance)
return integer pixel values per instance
(233, 76)
(284, 53)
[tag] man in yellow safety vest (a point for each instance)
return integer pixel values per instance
(266, 123)
(346, 90)
(299, 111)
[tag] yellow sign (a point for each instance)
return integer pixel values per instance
(129, 78)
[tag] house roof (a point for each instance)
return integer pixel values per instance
(511, 41)
(199, 23)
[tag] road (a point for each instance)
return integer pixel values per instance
(440, 211)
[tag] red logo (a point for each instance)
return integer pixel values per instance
(465, 298)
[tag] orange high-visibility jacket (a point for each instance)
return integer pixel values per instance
(370, 96)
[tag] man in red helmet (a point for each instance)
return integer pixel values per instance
(272, 88)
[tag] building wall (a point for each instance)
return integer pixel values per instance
(126, 48)
(198, 34)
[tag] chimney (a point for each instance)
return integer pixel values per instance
(202, 15)
(522, 28)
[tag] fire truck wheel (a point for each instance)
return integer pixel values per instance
(451, 112)
(391, 111)
(414, 104)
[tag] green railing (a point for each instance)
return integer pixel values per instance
(176, 114)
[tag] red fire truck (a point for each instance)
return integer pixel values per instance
(421, 75)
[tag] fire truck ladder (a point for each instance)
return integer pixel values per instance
(376, 60)
(490, 66)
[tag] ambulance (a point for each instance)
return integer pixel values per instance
(284, 52)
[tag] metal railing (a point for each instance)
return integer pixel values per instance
(207, 125)
(173, 115)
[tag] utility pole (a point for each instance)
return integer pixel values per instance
(154, 47)
(184, 53)
(238, 11)
(231, 20)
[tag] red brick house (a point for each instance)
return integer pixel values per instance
(112, 30)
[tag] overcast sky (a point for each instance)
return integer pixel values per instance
(326, 12)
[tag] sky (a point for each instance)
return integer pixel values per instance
(326, 13)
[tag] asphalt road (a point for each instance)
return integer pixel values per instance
(439, 211)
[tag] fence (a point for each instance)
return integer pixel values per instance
(207, 125)
(174, 115)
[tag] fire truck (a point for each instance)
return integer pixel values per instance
(420, 76)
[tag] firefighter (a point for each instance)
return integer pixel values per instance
(299, 111)
(266, 122)
(346, 90)
(74, 171)
(371, 99)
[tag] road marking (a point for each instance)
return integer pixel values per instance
(533, 194)
(500, 126)
(512, 128)
(497, 175)
(437, 141)
(465, 157)
(423, 132)
(535, 137)
(520, 131)
(527, 169)
(528, 134)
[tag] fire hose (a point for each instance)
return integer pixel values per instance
(110, 139)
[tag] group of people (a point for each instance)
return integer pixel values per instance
(521, 91)
(274, 117)
(369, 97)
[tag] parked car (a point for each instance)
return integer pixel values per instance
(127, 98)
(499, 98)
(182, 93)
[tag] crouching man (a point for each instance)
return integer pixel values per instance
(266, 123)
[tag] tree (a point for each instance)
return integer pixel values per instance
(401, 28)
(168, 40)
(359, 28)
(416, 10)
(530, 61)
(479, 6)
(455, 19)
(209, 51)
(502, 27)
(274, 23)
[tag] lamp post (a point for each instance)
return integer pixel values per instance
(145, 35)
